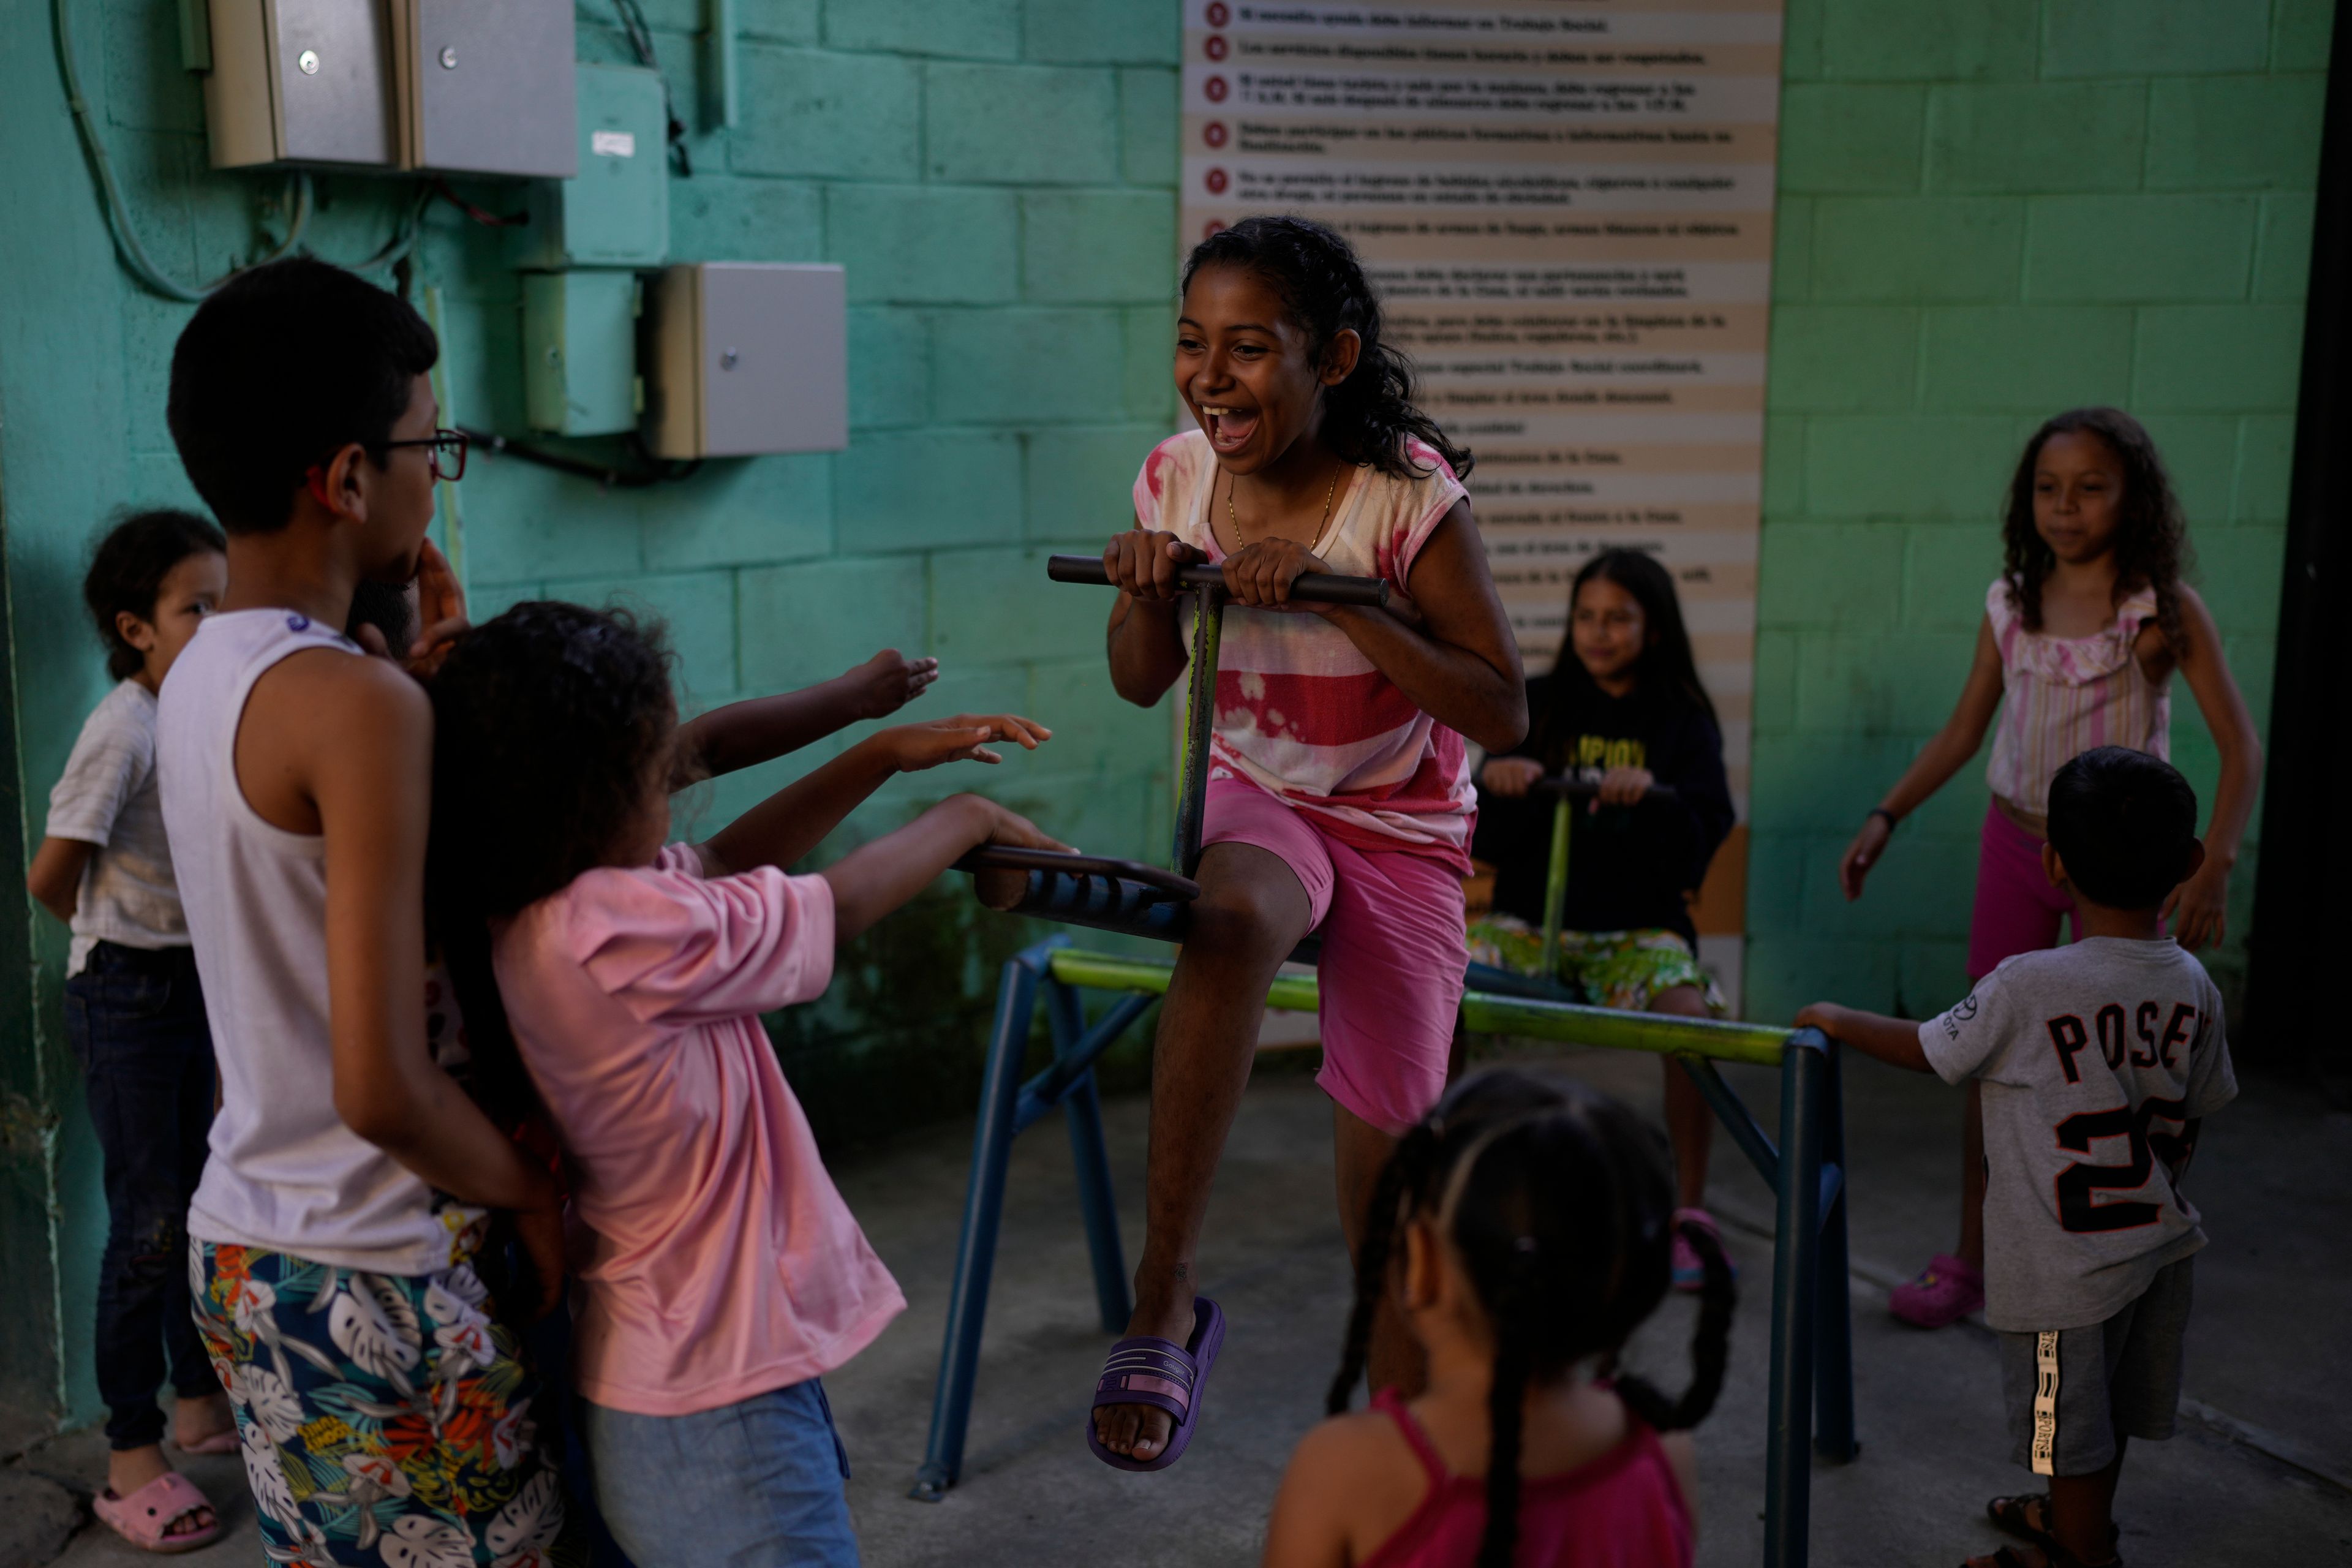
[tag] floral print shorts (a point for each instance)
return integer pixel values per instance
(385, 1418)
(1626, 970)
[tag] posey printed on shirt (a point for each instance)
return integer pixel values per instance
(2094, 1058)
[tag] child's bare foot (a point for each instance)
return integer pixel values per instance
(199, 1424)
(1142, 1431)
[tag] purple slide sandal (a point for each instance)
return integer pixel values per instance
(1163, 1374)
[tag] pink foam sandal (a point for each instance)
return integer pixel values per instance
(145, 1518)
(1945, 1291)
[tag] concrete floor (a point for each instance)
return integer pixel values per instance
(2246, 1482)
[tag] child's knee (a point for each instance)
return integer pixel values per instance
(1247, 920)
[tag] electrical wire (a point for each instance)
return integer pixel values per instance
(118, 219)
(482, 216)
(663, 471)
(641, 42)
(299, 200)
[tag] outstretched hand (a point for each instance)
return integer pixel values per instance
(912, 748)
(1003, 889)
(889, 682)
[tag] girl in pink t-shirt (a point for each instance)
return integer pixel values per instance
(1524, 1228)
(1339, 799)
(719, 1274)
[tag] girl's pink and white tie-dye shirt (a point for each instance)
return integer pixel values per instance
(1301, 713)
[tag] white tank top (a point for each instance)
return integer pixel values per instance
(285, 1175)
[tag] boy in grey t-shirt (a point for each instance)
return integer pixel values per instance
(2098, 1060)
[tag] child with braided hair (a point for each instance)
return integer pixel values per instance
(1524, 1229)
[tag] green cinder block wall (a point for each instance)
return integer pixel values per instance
(1991, 212)
(997, 177)
(1990, 209)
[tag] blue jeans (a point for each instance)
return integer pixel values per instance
(136, 1020)
(756, 1484)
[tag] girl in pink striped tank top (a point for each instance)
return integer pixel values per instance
(1524, 1229)
(1339, 799)
(2081, 637)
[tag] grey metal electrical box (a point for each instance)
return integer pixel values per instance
(744, 357)
(301, 82)
(485, 87)
(615, 211)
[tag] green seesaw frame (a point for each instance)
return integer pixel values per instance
(1811, 1350)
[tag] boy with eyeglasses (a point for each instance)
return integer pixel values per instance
(381, 1404)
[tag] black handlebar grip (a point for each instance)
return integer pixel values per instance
(1011, 857)
(1582, 789)
(1316, 587)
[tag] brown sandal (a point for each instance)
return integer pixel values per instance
(2008, 1516)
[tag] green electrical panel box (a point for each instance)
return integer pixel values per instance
(615, 211)
(580, 352)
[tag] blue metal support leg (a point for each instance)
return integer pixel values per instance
(1833, 1437)
(992, 1150)
(1796, 1274)
(1083, 1108)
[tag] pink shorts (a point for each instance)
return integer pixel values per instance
(2017, 909)
(1391, 972)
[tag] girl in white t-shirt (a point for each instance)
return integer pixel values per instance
(1339, 797)
(135, 1015)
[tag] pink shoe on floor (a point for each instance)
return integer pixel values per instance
(1945, 1291)
(1689, 1273)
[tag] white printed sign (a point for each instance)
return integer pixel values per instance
(1567, 207)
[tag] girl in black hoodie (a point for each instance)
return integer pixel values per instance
(1622, 708)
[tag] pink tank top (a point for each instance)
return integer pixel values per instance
(2061, 696)
(1623, 1510)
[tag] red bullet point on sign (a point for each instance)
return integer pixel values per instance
(1213, 133)
(1215, 88)
(1211, 226)
(1218, 16)
(1215, 182)
(1215, 47)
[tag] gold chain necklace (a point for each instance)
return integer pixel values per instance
(1329, 492)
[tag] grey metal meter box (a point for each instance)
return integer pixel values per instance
(615, 211)
(485, 87)
(300, 81)
(580, 352)
(743, 357)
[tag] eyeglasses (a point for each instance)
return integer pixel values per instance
(446, 451)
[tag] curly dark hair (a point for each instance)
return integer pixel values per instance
(2152, 535)
(1559, 1204)
(547, 722)
(127, 572)
(1368, 417)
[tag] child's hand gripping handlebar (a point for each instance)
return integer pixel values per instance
(1316, 587)
(1585, 789)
